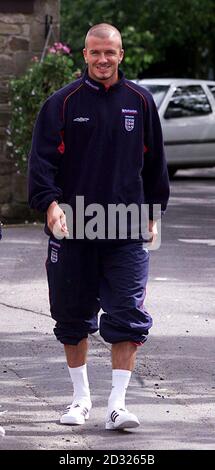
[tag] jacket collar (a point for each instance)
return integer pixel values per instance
(97, 86)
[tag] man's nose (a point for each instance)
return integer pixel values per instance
(102, 58)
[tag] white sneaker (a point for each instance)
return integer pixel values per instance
(121, 418)
(76, 413)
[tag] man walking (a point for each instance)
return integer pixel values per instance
(98, 137)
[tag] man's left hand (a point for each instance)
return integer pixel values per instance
(153, 231)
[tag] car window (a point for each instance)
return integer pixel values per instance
(188, 101)
(212, 89)
(158, 92)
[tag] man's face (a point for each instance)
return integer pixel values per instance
(103, 57)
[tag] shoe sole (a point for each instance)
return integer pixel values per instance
(124, 424)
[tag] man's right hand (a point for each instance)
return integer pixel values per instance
(56, 221)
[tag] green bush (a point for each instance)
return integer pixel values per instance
(29, 92)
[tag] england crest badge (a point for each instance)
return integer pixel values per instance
(54, 255)
(129, 123)
(54, 251)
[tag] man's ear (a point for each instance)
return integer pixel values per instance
(85, 54)
(121, 56)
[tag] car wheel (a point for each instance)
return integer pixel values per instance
(172, 171)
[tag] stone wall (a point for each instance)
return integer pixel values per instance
(22, 35)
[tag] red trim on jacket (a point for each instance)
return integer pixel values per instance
(61, 147)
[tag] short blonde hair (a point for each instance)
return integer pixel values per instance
(103, 30)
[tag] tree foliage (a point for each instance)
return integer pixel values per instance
(153, 31)
(27, 96)
(79, 15)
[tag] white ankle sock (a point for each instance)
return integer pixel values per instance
(80, 383)
(120, 381)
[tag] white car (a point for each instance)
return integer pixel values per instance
(187, 112)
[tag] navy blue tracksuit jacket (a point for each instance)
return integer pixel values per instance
(105, 145)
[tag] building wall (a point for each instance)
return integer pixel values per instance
(22, 35)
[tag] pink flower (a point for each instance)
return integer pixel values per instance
(66, 49)
(58, 48)
(52, 50)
